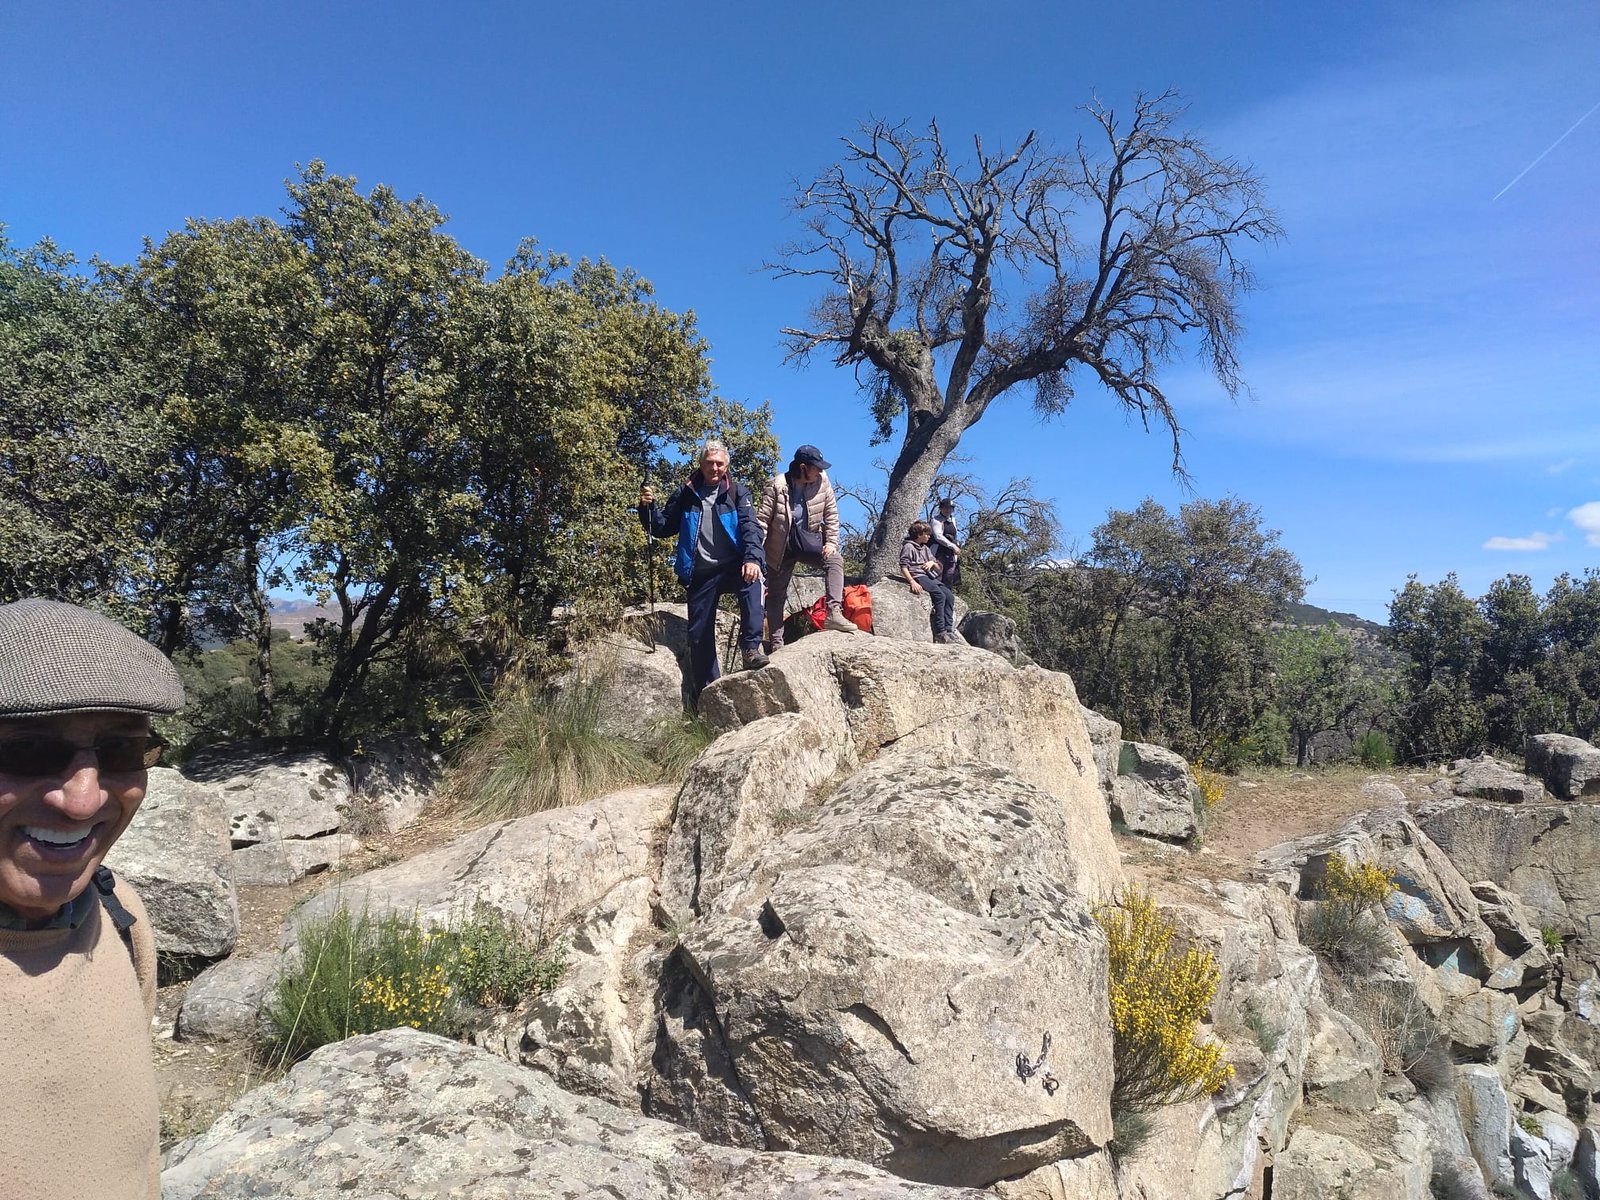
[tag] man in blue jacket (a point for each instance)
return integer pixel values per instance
(719, 550)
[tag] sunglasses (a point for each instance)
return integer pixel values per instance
(40, 754)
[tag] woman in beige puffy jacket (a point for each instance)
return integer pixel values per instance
(799, 519)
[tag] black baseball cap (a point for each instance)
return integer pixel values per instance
(811, 456)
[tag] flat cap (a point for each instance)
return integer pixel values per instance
(59, 658)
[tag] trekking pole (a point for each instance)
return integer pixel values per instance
(650, 571)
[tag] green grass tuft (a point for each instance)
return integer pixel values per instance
(535, 750)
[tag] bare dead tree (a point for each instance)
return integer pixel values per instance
(1014, 269)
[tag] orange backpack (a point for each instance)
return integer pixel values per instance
(857, 606)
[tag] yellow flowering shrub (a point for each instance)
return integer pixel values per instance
(1359, 885)
(420, 1001)
(1346, 926)
(1209, 782)
(1159, 996)
(360, 973)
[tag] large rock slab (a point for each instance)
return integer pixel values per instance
(920, 933)
(588, 1032)
(1105, 736)
(996, 633)
(1486, 1115)
(542, 869)
(411, 1116)
(393, 779)
(1344, 1067)
(641, 671)
(1267, 998)
(273, 790)
(1569, 766)
(1488, 778)
(867, 693)
(746, 787)
(284, 860)
(224, 1001)
(866, 1017)
(1154, 793)
(1381, 1155)
(896, 613)
(1547, 854)
(177, 854)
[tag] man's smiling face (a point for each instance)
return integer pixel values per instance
(56, 827)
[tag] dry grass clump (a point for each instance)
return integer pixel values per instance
(538, 749)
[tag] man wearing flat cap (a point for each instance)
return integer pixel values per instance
(77, 958)
(799, 517)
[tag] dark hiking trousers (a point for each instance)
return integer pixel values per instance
(704, 591)
(944, 603)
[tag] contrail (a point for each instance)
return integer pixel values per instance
(1547, 150)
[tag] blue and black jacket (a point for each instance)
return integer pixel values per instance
(681, 516)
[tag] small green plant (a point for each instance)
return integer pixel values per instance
(363, 816)
(1267, 1033)
(360, 973)
(1269, 738)
(1531, 1125)
(1551, 937)
(1403, 1029)
(1433, 1071)
(1345, 927)
(499, 961)
(1565, 1185)
(1130, 1129)
(1159, 995)
(675, 743)
(535, 750)
(1455, 1178)
(1373, 750)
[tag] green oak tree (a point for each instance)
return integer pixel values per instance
(82, 437)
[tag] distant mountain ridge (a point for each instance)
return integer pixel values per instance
(294, 615)
(1310, 614)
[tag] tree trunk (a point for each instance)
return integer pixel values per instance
(912, 475)
(169, 626)
(263, 620)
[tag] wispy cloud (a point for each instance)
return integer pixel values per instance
(1587, 518)
(1534, 541)
(1566, 464)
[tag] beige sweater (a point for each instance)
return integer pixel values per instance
(82, 1120)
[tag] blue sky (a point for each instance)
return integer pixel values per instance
(1423, 355)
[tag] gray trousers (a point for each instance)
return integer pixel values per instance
(778, 587)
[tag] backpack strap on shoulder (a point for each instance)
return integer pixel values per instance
(106, 884)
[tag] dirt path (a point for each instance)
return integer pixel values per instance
(1263, 808)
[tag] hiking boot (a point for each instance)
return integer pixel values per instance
(947, 638)
(754, 660)
(839, 623)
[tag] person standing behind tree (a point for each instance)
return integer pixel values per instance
(799, 517)
(718, 550)
(921, 570)
(945, 547)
